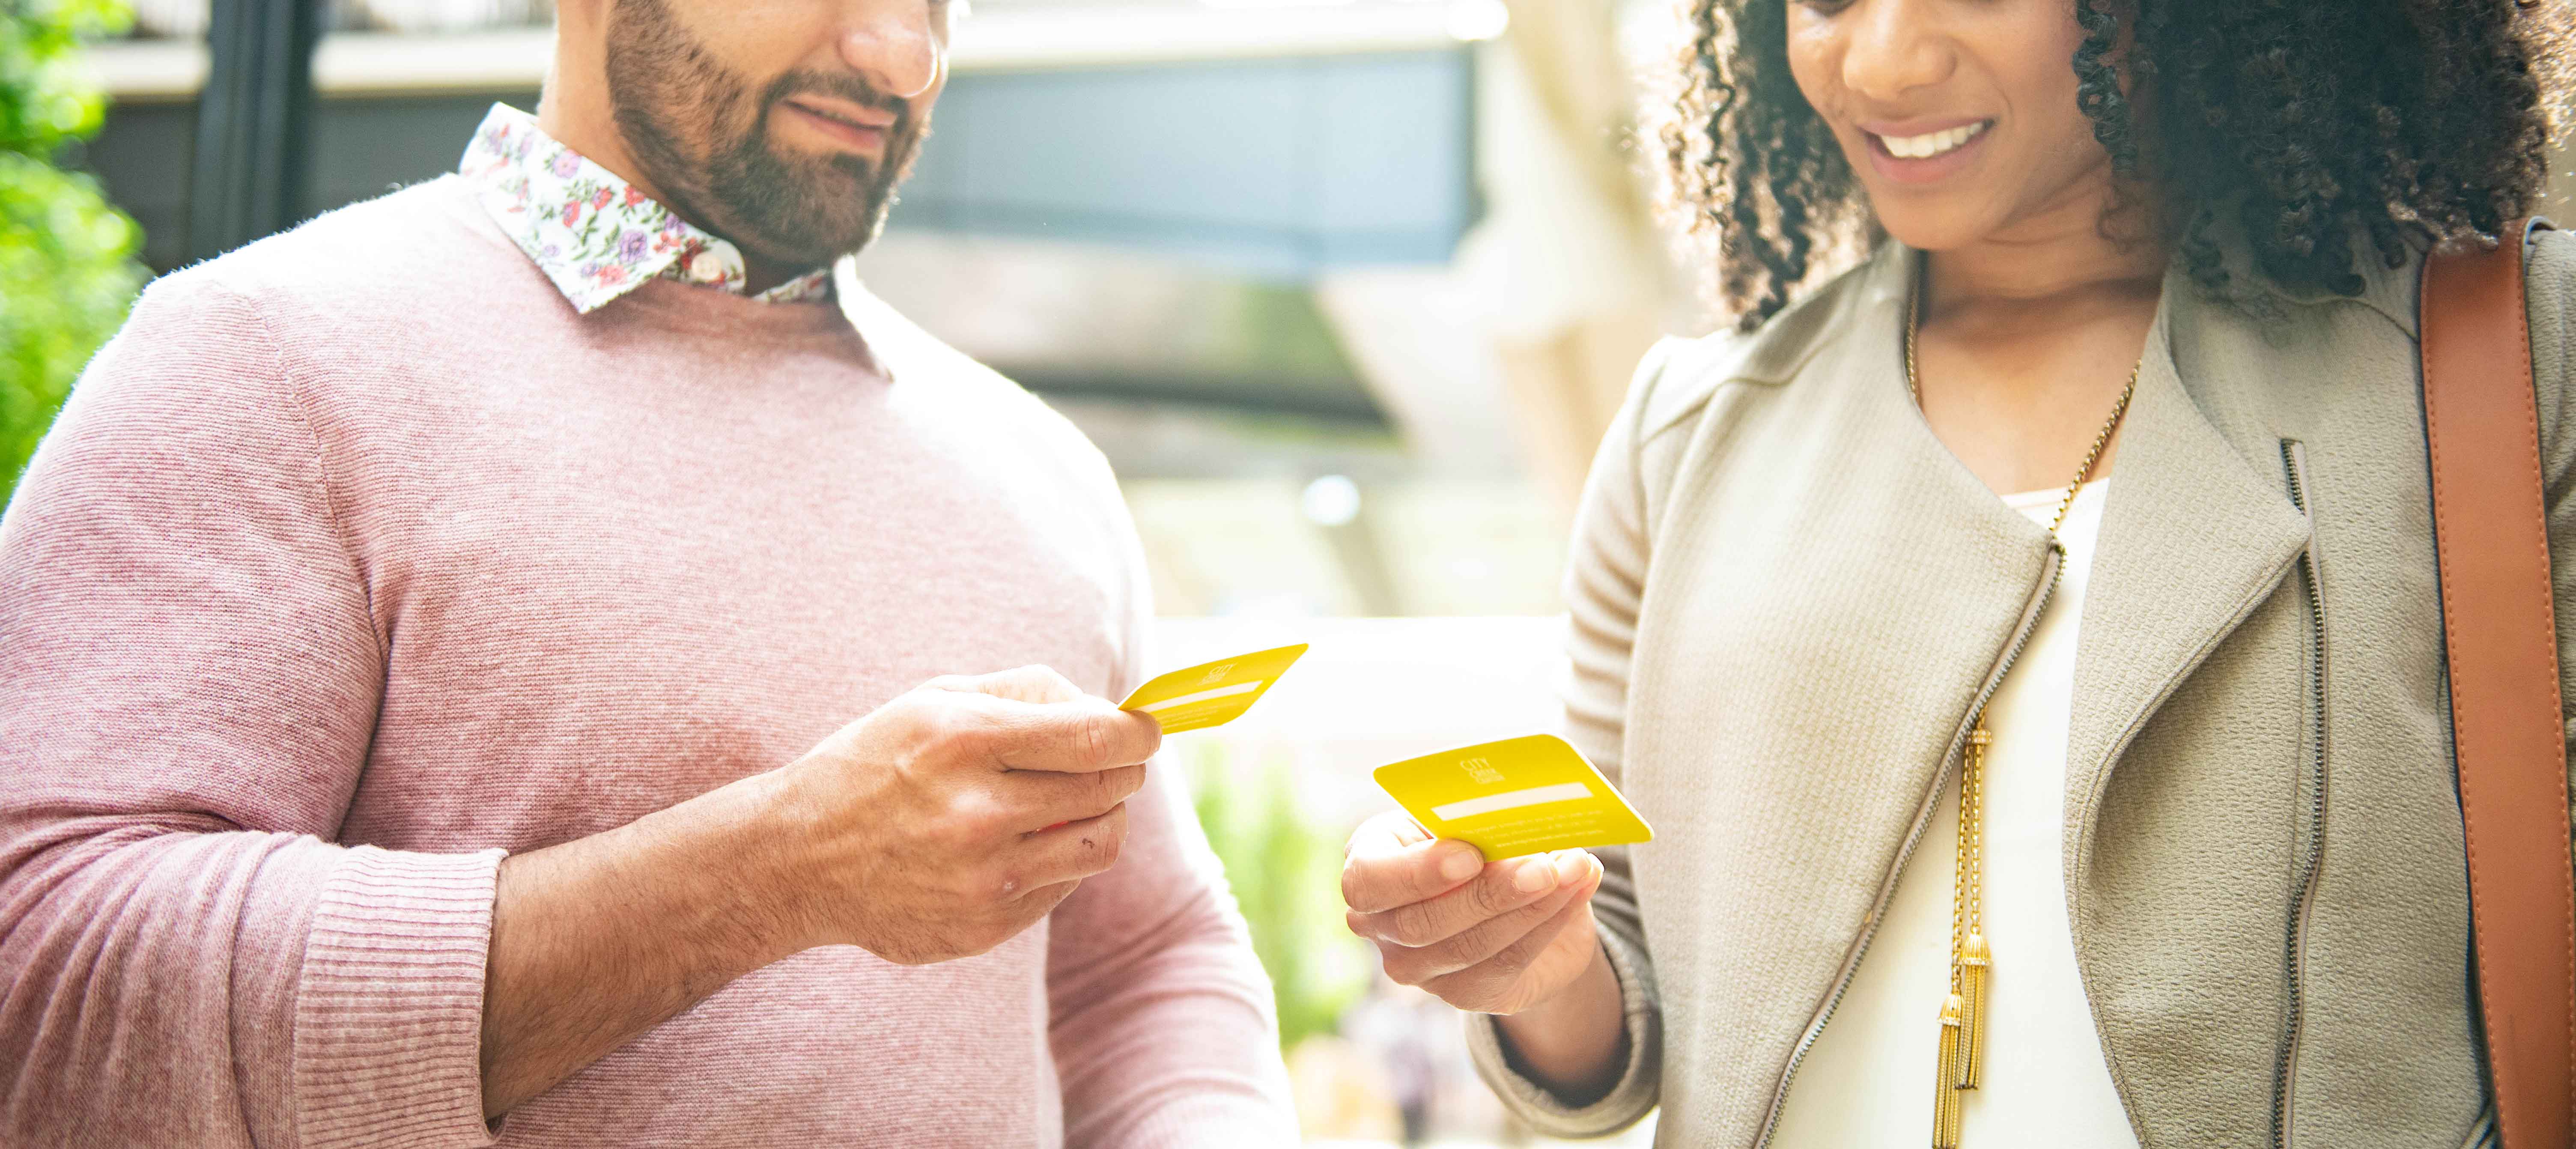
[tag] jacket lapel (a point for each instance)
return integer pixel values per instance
(2193, 538)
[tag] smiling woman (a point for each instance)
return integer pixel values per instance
(2328, 135)
(2132, 356)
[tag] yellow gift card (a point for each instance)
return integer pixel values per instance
(1211, 694)
(1514, 797)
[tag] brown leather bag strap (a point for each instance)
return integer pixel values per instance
(2509, 736)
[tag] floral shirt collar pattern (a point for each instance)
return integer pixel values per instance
(595, 235)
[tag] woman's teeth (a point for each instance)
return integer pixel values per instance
(1931, 144)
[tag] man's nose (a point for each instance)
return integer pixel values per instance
(1894, 48)
(895, 49)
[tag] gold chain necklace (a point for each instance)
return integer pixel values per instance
(1962, 1059)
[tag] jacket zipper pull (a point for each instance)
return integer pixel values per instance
(1973, 962)
(1945, 1099)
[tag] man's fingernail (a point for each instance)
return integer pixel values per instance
(1460, 865)
(1535, 875)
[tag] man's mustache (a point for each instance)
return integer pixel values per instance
(850, 89)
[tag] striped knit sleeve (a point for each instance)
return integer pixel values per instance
(189, 676)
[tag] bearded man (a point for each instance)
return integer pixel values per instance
(430, 640)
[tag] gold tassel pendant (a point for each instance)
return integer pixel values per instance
(1945, 1099)
(1973, 963)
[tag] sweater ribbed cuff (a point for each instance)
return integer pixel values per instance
(389, 1012)
(1640, 1081)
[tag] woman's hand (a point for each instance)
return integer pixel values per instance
(1495, 937)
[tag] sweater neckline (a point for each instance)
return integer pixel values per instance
(683, 307)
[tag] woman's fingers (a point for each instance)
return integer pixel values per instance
(1502, 888)
(1489, 938)
(1390, 862)
(1412, 965)
(1528, 970)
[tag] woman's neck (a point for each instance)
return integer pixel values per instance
(2028, 337)
(2039, 264)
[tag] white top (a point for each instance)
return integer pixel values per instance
(1867, 1082)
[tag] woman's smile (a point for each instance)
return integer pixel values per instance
(1917, 94)
(1923, 152)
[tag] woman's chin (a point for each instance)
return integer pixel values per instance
(1925, 227)
(1940, 217)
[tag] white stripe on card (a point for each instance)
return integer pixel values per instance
(1512, 800)
(1201, 696)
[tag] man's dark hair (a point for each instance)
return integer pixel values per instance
(2325, 131)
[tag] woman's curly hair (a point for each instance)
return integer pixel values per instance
(2333, 131)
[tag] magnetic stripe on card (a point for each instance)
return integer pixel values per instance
(1201, 696)
(1511, 800)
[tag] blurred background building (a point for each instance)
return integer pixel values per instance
(1345, 289)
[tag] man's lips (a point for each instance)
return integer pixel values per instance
(863, 129)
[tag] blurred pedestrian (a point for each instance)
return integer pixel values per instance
(1413, 1039)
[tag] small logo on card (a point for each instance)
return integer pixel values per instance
(1215, 674)
(1482, 771)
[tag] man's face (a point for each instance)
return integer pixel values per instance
(783, 125)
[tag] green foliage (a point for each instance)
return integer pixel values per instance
(67, 271)
(1287, 877)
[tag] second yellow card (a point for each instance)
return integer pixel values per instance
(1514, 797)
(1213, 693)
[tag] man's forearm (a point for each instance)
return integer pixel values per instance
(1576, 1042)
(941, 825)
(599, 939)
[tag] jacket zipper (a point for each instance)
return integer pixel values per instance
(2120, 747)
(1914, 835)
(2295, 943)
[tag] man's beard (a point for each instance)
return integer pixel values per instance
(701, 137)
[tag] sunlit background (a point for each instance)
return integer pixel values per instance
(1345, 291)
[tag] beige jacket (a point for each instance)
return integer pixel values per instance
(1788, 596)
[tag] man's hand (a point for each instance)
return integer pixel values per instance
(1496, 937)
(959, 814)
(925, 831)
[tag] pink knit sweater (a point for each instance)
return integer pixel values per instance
(359, 560)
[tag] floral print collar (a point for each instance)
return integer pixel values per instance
(595, 235)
